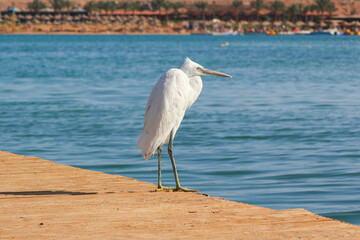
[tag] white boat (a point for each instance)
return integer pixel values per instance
(303, 32)
(330, 31)
(333, 31)
(229, 33)
(286, 33)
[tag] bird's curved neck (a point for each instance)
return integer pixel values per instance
(195, 89)
(186, 70)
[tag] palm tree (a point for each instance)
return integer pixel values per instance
(112, 6)
(331, 8)
(57, 5)
(277, 7)
(68, 4)
(134, 6)
(237, 4)
(167, 6)
(213, 9)
(321, 7)
(157, 4)
(313, 8)
(257, 5)
(125, 6)
(90, 7)
(352, 9)
(176, 6)
(104, 6)
(294, 10)
(36, 6)
(304, 12)
(202, 6)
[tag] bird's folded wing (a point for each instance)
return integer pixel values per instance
(164, 111)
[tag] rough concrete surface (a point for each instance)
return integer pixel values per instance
(40, 199)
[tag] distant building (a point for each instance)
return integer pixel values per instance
(13, 9)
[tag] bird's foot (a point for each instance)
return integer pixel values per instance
(184, 189)
(169, 189)
(161, 188)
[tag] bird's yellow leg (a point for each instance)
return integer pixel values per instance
(160, 187)
(170, 151)
(159, 167)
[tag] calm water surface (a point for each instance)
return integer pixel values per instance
(282, 133)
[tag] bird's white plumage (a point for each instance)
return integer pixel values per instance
(172, 95)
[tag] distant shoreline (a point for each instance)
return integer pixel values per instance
(44, 29)
(88, 33)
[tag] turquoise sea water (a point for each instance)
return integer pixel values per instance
(282, 133)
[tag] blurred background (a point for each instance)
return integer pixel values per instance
(274, 17)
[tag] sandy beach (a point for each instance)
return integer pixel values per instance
(44, 200)
(80, 29)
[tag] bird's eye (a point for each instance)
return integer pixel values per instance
(198, 68)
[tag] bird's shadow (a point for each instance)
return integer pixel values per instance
(37, 193)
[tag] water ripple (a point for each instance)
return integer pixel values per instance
(282, 133)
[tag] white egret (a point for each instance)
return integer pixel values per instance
(173, 94)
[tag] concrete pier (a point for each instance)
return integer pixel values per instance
(40, 199)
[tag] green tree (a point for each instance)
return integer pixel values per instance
(322, 5)
(237, 4)
(157, 4)
(353, 11)
(133, 6)
(213, 9)
(257, 5)
(57, 5)
(125, 6)
(277, 7)
(294, 10)
(167, 6)
(68, 4)
(313, 8)
(36, 5)
(176, 6)
(106, 6)
(330, 8)
(112, 6)
(304, 12)
(202, 6)
(90, 7)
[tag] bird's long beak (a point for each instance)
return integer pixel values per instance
(211, 72)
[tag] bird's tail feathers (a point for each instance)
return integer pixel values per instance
(147, 155)
(146, 150)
